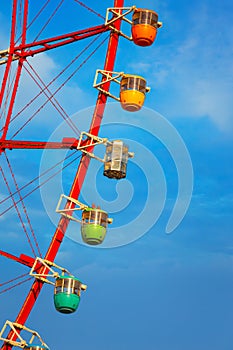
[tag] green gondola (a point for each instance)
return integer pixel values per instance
(94, 225)
(67, 294)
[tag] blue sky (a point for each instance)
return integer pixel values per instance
(161, 291)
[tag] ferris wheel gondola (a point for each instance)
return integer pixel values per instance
(144, 27)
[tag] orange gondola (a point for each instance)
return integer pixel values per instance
(144, 27)
(132, 92)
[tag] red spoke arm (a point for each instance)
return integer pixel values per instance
(30, 49)
(22, 259)
(69, 143)
(58, 41)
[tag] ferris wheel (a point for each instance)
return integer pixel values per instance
(20, 108)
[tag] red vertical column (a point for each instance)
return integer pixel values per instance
(20, 64)
(11, 49)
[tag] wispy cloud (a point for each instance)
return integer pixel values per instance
(193, 69)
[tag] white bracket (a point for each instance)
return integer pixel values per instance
(47, 270)
(53, 274)
(92, 141)
(119, 13)
(15, 331)
(69, 208)
(107, 76)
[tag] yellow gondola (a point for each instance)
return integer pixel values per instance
(132, 92)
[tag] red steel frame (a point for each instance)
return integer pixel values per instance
(12, 144)
(51, 43)
(22, 51)
(67, 142)
(83, 166)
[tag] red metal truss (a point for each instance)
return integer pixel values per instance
(22, 259)
(69, 143)
(78, 180)
(66, 143)
(31, 49)
(22, 51)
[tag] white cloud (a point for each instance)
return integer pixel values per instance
(192, 75)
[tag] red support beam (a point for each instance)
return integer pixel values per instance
(67, 143)
(78, 180)
(61, 40)
(22, 259)
(31, 49)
